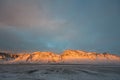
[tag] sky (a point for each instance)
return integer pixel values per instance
(56, 25)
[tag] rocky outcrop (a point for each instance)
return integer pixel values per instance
(5, 56)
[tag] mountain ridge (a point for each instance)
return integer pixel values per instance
(67, 57)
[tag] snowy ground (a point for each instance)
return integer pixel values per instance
(58, 72)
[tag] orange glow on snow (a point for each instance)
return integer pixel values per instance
(68, 56)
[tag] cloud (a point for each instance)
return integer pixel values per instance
(29, 25)
(27, 13)
(56, 25)
(18, 13)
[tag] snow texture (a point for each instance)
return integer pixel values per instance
(58, 72)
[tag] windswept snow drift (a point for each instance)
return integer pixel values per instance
(58, 72)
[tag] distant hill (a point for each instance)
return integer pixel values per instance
(67, 57)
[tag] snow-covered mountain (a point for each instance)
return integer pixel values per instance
(67, 57)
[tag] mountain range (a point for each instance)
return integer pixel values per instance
(67, 57)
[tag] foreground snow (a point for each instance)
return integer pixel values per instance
(59, 72)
